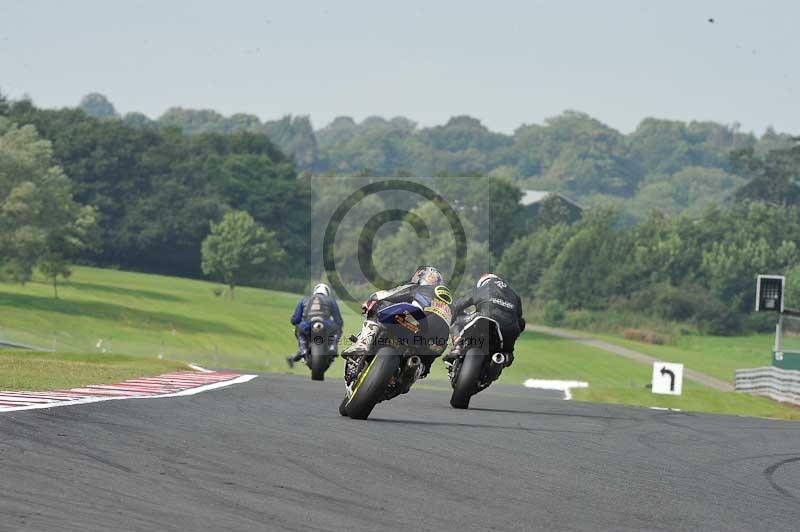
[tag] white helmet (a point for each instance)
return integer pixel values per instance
(485, 278)
(427, 275)
(323, 289)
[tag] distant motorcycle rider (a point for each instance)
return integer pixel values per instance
(319, 305)
(425, 286)
(494, 299)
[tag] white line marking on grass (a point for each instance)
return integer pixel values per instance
(564, 386)
(200, 369)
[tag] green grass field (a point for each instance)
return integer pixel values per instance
(179, 319)
(718, 356)
(26, 370)
(150, 315)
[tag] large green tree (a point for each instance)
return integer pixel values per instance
(40, 222)
(238, 248)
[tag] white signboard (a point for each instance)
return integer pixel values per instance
(667, 378)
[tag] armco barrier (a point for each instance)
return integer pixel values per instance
(779, 384)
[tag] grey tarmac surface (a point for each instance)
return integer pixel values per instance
(273, 454)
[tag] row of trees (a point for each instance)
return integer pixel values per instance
(149, 197)
(680, 268)
(673, 166)
(154, 191)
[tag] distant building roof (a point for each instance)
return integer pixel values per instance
(531, 197)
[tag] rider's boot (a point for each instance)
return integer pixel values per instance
(364, 341)
(452, 355)
(302, 347)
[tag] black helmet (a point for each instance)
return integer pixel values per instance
(427, 275)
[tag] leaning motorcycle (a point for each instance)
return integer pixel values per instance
(321, 349)
(481, 361)
(408, 332)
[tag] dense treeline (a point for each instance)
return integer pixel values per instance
(671, 166)
(713, 206)
(157, 190)
(680, 268)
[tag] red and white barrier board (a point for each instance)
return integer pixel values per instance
(174, 384)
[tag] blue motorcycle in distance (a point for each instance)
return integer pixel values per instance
(321, 349)
(408, 333)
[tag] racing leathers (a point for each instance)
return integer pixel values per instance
(497, 301)
(421, 295)
(312, 308)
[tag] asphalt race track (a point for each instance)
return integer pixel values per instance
(274, 454)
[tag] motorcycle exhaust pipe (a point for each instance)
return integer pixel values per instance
(317, 326)
(499, 359)
(414, 361)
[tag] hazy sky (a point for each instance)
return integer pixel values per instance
(506, 63)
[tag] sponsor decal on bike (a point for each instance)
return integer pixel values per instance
(443, 293)
(441, 309)
(407, 321)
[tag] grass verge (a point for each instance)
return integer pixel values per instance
(182, 319)
(31, 371)
(615, 379)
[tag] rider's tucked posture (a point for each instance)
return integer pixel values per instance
(319, 305)
(492, 298)
(425, 286)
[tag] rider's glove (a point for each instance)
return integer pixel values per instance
(367, 305)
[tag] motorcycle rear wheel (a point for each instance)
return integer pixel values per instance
(318, 362)
(468, 376)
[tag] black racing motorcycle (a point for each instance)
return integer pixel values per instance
(408, 333)
(481, 361)
(322, 344)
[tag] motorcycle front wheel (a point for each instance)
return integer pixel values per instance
(371, 384)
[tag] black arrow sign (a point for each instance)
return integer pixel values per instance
(665, 371)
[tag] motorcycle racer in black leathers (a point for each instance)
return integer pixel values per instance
(492, 298)
(425, 287)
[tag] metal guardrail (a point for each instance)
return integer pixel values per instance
(779, 384)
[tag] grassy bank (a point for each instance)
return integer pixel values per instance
(718, 356)
(25, 370)
(614, 379)
(150, 315)
(106, 313)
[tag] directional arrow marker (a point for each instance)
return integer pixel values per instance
(665, 371)
(667, 378)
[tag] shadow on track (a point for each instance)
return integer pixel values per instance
(475, 426)
(538, 413)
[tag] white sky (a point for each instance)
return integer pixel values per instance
(506, 63)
